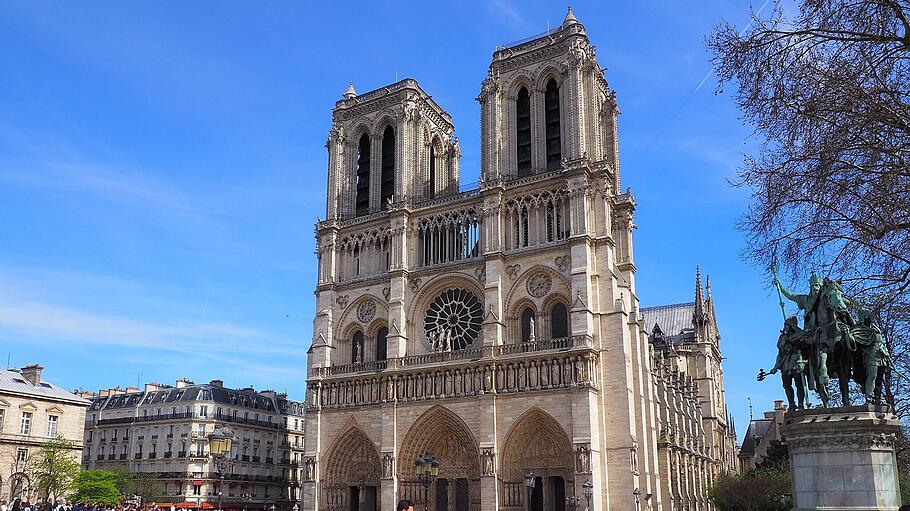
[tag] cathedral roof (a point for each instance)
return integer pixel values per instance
(671, 319)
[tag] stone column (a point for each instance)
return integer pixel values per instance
(843, 458)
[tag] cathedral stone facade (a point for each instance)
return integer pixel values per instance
(496, 328)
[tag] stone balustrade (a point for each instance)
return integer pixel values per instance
(545, 370)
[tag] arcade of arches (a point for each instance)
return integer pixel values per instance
(354, 473)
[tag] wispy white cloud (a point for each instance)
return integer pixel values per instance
(57, 324)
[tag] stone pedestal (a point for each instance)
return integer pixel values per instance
(843, 458)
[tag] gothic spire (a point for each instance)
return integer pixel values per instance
(700, 312)
(350, 92)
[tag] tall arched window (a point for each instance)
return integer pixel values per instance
(551, 120)
(527, 332)
(523, 131)
(357, 348)
(381, 343)
(431, 181)
(559, 322)
(363, 176)
(387, 169)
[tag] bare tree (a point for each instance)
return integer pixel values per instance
(827, 90)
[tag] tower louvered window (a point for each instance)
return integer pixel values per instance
(551, 115)
(431, 184)
(387, 170)
(363, 176)
(523, 132)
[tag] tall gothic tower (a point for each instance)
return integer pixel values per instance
(496, 328)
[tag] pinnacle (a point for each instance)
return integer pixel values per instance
(570, 18)
(350, 92)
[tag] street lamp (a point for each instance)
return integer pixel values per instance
(246, 498)
(530, 482)
(221, 439)
(589, 492)
(427, 471)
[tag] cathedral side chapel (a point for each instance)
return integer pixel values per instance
(498, 328)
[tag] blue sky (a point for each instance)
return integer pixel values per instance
(162, 165)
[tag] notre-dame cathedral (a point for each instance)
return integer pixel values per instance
(498, 328)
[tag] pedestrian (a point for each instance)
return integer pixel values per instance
(404, 505)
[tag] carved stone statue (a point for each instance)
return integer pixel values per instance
(532, 336)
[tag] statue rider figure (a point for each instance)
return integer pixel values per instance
(810, 304)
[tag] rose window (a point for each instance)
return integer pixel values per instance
(453, 320)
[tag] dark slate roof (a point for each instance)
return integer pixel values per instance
(757, 430)
(672, 319)
(247, 398)
(13, 382)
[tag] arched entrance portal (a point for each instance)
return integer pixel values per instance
(443, 434)
(351, 477)
(537, 443)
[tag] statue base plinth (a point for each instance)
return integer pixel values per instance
(843, 458)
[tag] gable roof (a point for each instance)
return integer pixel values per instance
(672, 319)
(11, 382)
(754, 435)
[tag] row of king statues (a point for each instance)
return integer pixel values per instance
(832, 343)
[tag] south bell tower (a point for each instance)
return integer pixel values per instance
(496, 328)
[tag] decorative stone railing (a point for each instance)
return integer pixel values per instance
(359, 367)
(564, 343)
(544, 371)
(441, 357)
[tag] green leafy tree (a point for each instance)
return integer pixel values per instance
(54, 468)
(755, 491)
(97, 487)
(143, 485)
(777, 458)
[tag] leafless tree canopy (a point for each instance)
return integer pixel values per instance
(827, 90)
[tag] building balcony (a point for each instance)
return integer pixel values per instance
(123, 456)
(170, 435)
(181, 454)
(111, 456)
(245, 457)
(198, 455)
(256, 459)
(138, 456)
(270, 460)
(99, 457)
(168, 454)
(153, 455)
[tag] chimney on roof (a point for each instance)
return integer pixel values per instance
(152, 386)
(32, 374)
(132, 390)
(217, 383)
(183, 382)
(779, 404)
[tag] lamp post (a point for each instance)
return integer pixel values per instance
(246, 498)
(427, 471)
(589, 493)
(530, 482)
(221, 439)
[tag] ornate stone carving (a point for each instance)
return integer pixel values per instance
(414, 284)
(342, 301)
(309, 469)
(513, 270)
(388, 465)
(480, 274)
(539, 284)
(366, 311)
(386, 293)
(582, 459)
(563, 263)
(853, 441)
(453, 320)
(488, 462)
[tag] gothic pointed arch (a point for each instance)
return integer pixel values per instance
(536, 441)
(387, 167)
(353, 461)
(362, 198)
(523, 132)
(443, 434)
